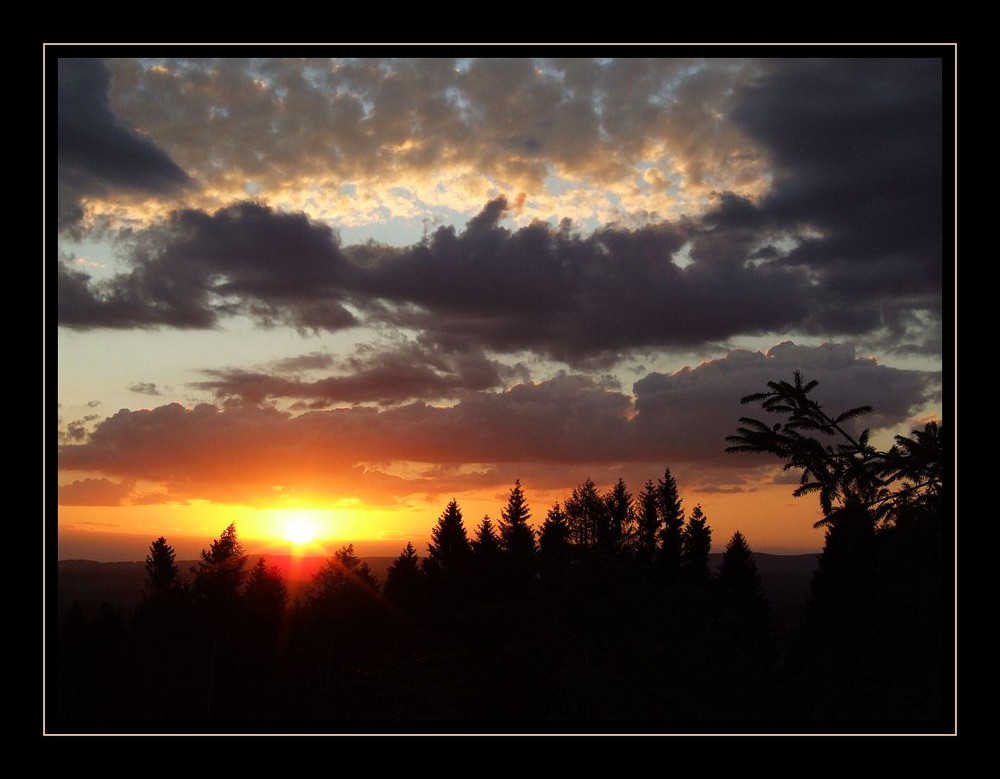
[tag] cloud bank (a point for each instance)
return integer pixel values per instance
(245, 452)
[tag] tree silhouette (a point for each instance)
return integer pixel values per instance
(342, 577)
(404, 583)
(696, 543)
(448, 565)
(161, 573)
(848, 473)
(554, 548)
(449, 551)
(517, 539)
(265, 593)
(218, 578)
(648, 520)
(741, 593)
(671, 524)
(485, 544)
(616, 533)
(873, 643)
(585, 513)
(219, 574)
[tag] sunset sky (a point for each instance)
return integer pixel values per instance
(337, 293)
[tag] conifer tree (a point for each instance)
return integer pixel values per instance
(671, 523)
(485, 545)
(219, 574)
(343, 577)
(619, 518)
(161, 573)
(744, 607)
(449, 551)
(403, 580)
(585, 512)
(648, 520)
(517, 539)
(696, 543)
(554, 549)
(265, 593)
(448, 568)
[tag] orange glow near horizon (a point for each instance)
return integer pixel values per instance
(769, 517)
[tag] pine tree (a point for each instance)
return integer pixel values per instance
(696, 543)
(449, 551)
(485, 545)
(619, 518)
(743, 604)
(517, 539)
(585, 513)
(265, 593)
(343, 577)
(404, 583)
(554, 549)
(671, 523)
(649, 521)
(161, 573)
(219, 574)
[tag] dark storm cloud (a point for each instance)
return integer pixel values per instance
(279, 269)
(98, 152)
(144, 388)
(537, 288)
(407, 372)
(571, 419)
(857, 149)
(573, 298)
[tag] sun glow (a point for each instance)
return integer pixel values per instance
(302, 527)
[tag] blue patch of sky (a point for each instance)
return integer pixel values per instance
(94, 257)
(557, 185)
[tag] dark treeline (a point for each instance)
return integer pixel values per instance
(607, 612)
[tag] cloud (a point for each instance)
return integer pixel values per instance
(803, 197)
(144, 388)
(696, 408)
(77, 430)
(299, 129)
(537, 288)
(98, 151)
(574, 298)
(406, 372)
(94, 492)
(304, 362)
(93, 403)
(240, 453)
(857, 152)
(195, 267)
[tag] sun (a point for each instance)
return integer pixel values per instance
(300, 528)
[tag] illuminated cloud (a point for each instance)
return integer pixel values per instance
(94, 492)
(571, 420)
(362, 140)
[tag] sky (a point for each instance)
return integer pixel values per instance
(324, 296)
